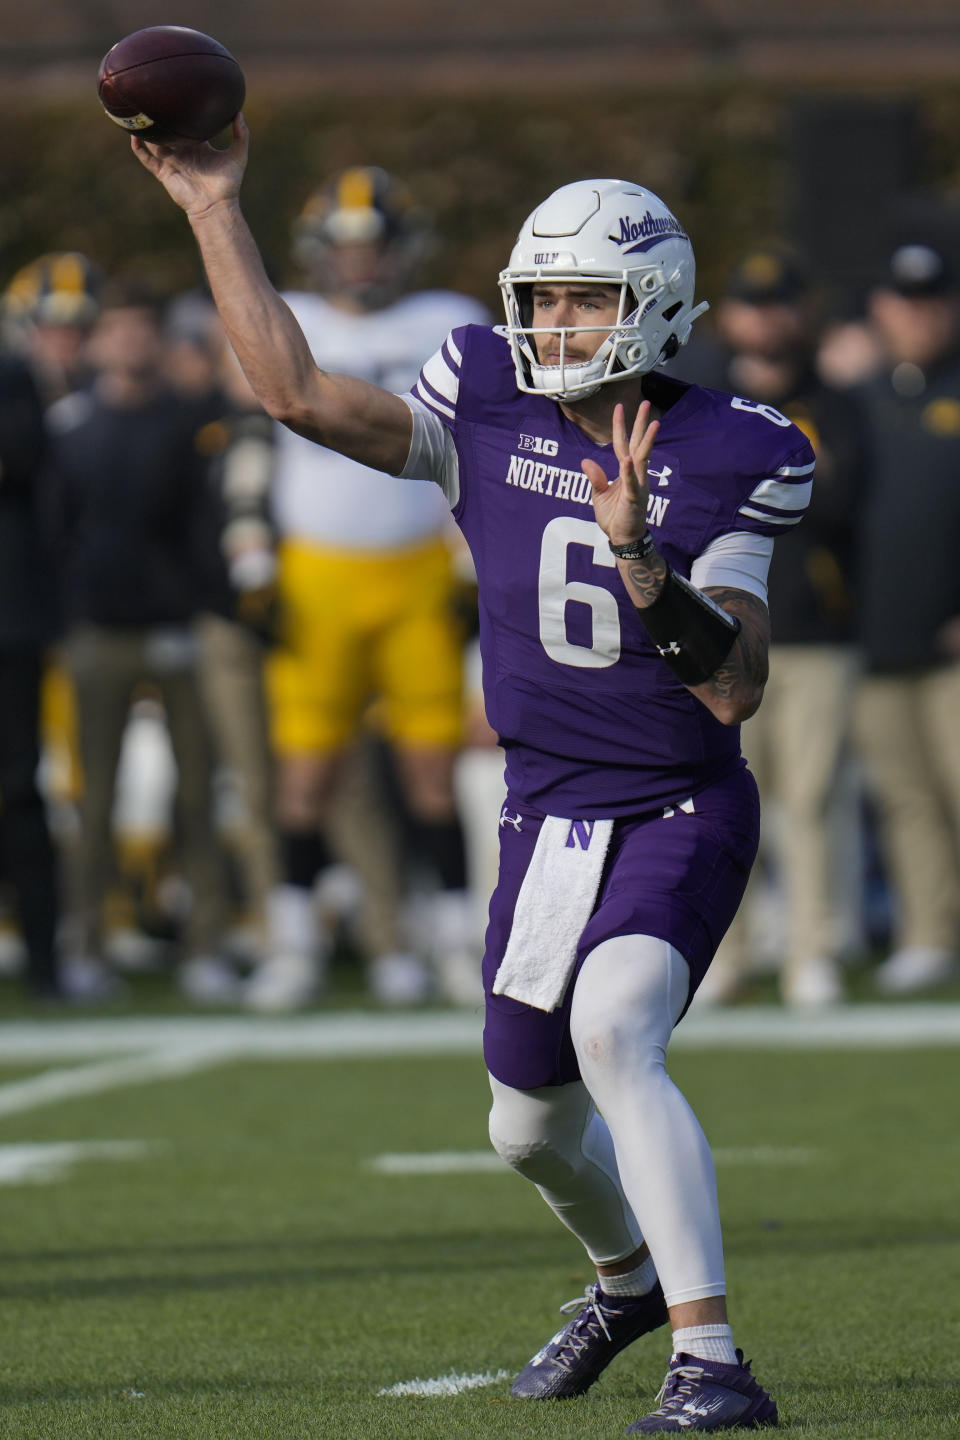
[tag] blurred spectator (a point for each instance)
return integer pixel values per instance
(849, 352)
(125, 487)
(49, 309)
(797, 741)
(238, 619)
(193, 347)
(908, 710)
(27, 622)
(481, 789)
(366, 595)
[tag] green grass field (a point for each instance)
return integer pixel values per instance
(248, 1272)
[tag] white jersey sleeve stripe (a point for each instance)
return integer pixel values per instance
(782, 494)
(444, 362)
(433, 454)
(770, 519)
(739, 560)
(422, 392)
(441, 377)
(797, 469)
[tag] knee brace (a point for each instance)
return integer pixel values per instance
(539, 1132)
(554, 1138)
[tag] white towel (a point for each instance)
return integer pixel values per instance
(555, 902)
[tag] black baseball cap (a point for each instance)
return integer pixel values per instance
(768, 275)
(919, 270)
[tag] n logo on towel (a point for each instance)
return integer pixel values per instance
(580, 835)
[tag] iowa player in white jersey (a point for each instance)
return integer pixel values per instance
(366, 589)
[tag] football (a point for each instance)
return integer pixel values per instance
(170, 83)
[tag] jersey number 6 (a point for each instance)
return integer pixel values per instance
(555, 591)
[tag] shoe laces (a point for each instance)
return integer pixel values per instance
(590, 1316)
(678, 1387)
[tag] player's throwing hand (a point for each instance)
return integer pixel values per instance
(196, 176)
(621, 505)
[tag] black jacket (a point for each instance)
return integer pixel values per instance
(27, 608)
(910, 527)
(813, 573)
(125, 488)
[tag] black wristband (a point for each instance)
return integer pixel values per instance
(693, 634)
(634, 549)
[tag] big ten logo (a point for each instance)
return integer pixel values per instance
(539, 445)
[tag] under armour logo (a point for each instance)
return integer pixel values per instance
(672, 649)
(515, 820)
(662, 477)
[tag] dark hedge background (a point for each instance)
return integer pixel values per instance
(718, 157)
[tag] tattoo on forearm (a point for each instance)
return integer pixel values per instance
(646, 577)
(747, 666)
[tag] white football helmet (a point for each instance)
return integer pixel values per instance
(615, 233)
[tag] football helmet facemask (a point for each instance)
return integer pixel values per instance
(610, 232)
(361, 206)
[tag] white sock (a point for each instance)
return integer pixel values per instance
(291, 920)
(706, 1342)
(635, 1282)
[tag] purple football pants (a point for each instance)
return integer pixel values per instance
(678, 876)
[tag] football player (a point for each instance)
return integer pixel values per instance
(621, 524)
(49, 308)
(366, 592)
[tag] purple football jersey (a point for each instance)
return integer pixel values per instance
(592, 721)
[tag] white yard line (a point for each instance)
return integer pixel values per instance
(39, 1164)
(452, 1384)
(139, 1050)
(443, 1162)
(472, 1162)
(333, 1035)
(345, 1033)
(53, 1086)
(841, 1027)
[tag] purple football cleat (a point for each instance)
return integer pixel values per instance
(604, 1325)
(705, 1395)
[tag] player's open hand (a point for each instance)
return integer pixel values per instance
(197, 176)
(621, 505)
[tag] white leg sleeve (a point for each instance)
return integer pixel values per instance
(555, 1138)
(628, 996)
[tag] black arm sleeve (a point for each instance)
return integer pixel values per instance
(693, 634)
